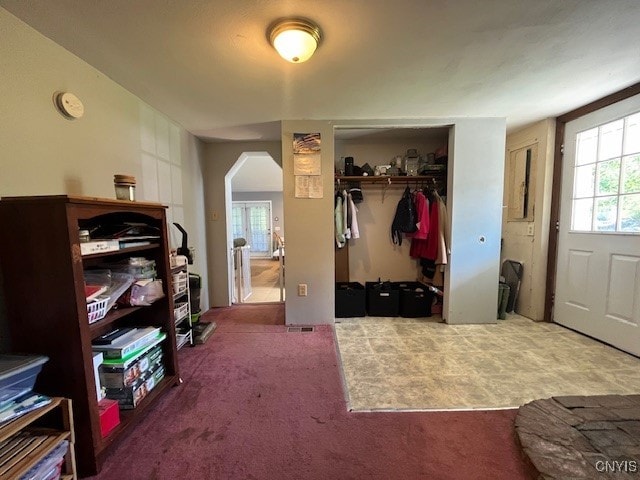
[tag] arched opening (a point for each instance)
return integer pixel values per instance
(255, 229)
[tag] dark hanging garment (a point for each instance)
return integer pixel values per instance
(404, 221)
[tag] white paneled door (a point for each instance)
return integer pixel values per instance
(598, 268)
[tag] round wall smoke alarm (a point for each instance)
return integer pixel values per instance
(69, 105)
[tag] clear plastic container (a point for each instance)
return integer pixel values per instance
(20, 371)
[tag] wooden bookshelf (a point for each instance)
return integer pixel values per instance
(43, 272)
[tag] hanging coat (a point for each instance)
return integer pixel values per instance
(340, 239)
(443, 241)
(421, 207)
(355, 232)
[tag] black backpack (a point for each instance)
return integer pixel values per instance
(404, 220)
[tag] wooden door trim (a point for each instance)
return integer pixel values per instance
(561, 122)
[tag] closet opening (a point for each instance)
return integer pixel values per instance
(374, 168)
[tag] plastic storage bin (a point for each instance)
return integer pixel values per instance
(20, 371)
(383, 299)
(350, 300)
(415, 299)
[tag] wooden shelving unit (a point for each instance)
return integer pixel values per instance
(38, 437)
(43, 276)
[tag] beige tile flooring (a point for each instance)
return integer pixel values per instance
(420, 364)
(265, 284)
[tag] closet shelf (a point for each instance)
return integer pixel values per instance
(401, 180)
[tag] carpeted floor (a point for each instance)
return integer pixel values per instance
(260, 403)
(419, 364)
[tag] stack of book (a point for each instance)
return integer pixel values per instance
(15, 402)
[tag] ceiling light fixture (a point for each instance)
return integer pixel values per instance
(295, 39)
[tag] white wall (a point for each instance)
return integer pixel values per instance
(532, 251)
(46, 154)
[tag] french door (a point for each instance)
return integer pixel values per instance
(252, 221)
(598, 267)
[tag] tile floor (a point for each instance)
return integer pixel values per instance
(420, 364)
(265, 283)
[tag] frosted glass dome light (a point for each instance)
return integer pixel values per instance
(295, 39)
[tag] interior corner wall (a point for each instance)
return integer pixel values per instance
(532, 251)
(310, 233)
(219, 158)
(43, 153)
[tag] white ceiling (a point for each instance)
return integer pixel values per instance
(258, 173)
(207, 63)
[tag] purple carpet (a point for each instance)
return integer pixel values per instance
(260, 403)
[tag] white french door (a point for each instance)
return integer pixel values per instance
(251, 220)
(598, 266)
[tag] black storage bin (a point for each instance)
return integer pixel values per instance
(382, 299)
(415, 299)
(350, 300)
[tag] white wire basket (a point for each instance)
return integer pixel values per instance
(181, 310)
(97, 309)
(180, 282)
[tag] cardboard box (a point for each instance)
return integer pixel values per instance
(109, 415)
(130, 397)
(126, 375)
(97, 361)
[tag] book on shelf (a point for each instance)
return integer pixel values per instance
(93, 291)
(127, 361)
(99, 246)
(122, 347)
(23, 404)
(109, 338)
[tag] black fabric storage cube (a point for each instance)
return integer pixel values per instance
(415, 299)
(382, 299)
(350, 300)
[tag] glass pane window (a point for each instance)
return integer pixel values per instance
(606, 188)
(587, 147)
(237, 222)
(631, 174)
(582, 213)
(610, 140)
(632, 135)
(608, 177)
(606, 213)
(585, 178)
(630, 213)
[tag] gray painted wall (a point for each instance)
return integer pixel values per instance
(45, 154)
(219, 158)
(475, 179)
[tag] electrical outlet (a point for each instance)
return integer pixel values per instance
(302, 289)
(530, 230)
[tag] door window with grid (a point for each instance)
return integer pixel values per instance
(606, 191)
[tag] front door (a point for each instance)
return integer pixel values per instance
(598, 267)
